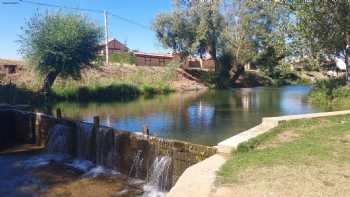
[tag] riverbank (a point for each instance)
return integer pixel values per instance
(278, 162)
(201, 177)
(103, 83)
(333, 93)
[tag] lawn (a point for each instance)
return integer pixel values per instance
(298, 158)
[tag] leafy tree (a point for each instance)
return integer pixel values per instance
(325, 24)
(193, 27)
(257, 34)
(60, 44)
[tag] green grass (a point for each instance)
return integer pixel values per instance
(121, 57)
(118, 82)
(332, 92)
(319, 141)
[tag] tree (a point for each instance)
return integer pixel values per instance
(193, 27)
(325, 24)
(59, 44)
(257, 34)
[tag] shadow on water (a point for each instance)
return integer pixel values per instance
(199, 117)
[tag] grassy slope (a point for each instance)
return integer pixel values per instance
(300, 144)
(108, 82)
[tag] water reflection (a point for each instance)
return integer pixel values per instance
(202, 117)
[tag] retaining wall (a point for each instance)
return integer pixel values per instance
(110, 147)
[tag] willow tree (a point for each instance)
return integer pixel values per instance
(325, 24)
(59, 44)
(193, 27)
(259, 28)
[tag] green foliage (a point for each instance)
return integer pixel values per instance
(312, 65)
(325, 25)
(98, 93)
(329, 85)
(60, 44)
(258, 31)
(122, 57)
(330, 92)
(267, 61)
(191, 28)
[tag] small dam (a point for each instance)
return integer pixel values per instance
(157, 161)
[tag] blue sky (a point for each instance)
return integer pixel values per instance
(12, 17)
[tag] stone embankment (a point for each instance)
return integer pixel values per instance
(199, 179)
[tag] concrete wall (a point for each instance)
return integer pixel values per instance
(107, 146)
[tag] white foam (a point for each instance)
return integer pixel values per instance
(83, 165)
(100, 171)
(152, 191)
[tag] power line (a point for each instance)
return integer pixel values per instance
(130, 21)
(79, 9)
(59, 6)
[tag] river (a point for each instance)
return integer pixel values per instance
(199, 117)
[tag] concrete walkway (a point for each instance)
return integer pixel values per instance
(198, 180)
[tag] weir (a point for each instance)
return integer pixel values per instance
(158, 161)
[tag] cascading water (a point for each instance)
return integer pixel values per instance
(106, 150)
(59, 140)
(158, 180)
(160, 173)
(103, 152)
(84, 132)
(136, 166)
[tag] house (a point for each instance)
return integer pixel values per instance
(10, 68)
(114, 46)
(206, 62)
(153, 59)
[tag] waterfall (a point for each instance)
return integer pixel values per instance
(136, 166)
(84, 132)
(59, 140)
(160, 173)
(106, 150)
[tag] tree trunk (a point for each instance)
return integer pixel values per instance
(48, 82)
(346, 58)
(236, 72)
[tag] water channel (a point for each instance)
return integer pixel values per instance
(199, 117)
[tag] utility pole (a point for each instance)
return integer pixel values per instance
(105, 13)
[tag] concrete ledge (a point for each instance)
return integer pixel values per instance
(268, 123)
(198, 180)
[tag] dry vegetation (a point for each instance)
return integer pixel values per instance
(105, 82)
(298, 158)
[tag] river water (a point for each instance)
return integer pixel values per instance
(201, 117)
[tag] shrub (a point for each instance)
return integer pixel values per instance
(122, 57)
(331, 91)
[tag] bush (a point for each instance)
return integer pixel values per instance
(122, 57)
(329, 85)
(330, 92)
(312, 65)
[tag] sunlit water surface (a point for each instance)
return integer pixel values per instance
(201, 117)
